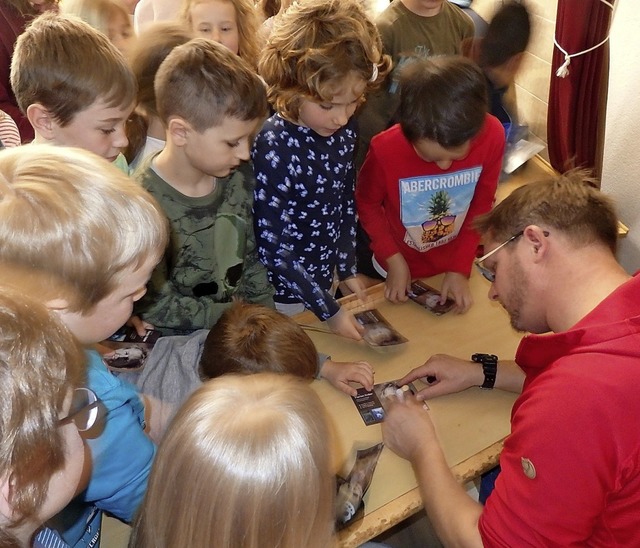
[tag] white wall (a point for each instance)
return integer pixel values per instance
(621, 166)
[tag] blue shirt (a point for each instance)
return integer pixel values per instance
(304, 211)
(122, 455)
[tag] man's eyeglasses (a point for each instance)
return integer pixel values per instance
(83, 411)
(488, 274)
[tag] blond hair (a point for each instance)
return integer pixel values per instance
(246, 19)
(71, 224)
(250, 338)
(244, 464)
(40, 363)
(313, 46)
(65, 65)
(569, 203)
(98, 13)
(202, 82)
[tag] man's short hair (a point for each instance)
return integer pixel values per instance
(203, 83)
(443, 99)
(65, 65)
(249, 338)
(71, 224)
(40, 363)
(507, 35)
(569, 203)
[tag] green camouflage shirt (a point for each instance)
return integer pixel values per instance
(211, 256)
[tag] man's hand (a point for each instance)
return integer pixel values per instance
(398, 281)
(343, 323)
(407, 428)
(340, 374)
(457, 286)
(444, 375)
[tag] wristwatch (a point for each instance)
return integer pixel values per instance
(489, 368)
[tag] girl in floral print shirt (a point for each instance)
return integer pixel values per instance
(320, 61)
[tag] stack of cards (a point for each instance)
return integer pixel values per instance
(429, 298)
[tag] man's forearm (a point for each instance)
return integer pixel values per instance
(452, 512)
(509, 376)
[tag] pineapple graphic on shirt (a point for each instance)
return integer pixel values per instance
(441, 222)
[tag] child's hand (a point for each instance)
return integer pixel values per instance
(357, 286)
(398, 279)
(457, 286)
(343, 323)
(340, 374)
(139, 325)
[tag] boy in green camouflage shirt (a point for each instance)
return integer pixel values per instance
(211, 104)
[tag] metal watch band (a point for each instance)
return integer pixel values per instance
(489, 368)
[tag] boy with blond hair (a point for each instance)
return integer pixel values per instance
(211, 104)
(74, 86)
(85, 238)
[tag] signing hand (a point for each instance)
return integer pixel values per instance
(407, 428)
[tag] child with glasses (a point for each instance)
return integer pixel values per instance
(425, 179)
(41, 453)
(85, 238)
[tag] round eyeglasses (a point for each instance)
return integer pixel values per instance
(84, 409)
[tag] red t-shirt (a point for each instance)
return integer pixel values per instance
(411, 206)
(571, 466)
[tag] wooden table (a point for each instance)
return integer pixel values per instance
(471, 424)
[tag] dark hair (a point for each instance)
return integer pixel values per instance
(443, 99)
(203, 82)
(150, 49)
(249, 338)
(569, 203)
(507, 35)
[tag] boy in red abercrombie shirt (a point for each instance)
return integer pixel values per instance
(426, 178)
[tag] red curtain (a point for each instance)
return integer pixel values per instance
(576, 103)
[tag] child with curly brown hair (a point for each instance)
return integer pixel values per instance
(320, 61)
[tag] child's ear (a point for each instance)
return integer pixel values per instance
(42, 121)
(178, 130)
(5, 507)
